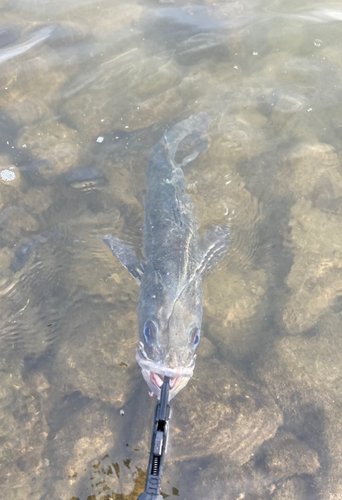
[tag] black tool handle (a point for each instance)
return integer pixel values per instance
(158, 445)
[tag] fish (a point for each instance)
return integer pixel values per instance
(176, 260)
(28, 43)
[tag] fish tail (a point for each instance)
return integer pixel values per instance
(197, 125)
(163, 164)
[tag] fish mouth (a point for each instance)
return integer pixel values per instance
(157, 380)
(147, 364)
(154, 374)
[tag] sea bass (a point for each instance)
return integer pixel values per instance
(170, 298)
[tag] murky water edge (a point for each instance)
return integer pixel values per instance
(86, 90)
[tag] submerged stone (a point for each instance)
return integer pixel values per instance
(103, 21)
(26, 110)
(99, 358)
(24, 432)
(37, 199)
(294, 488)
(128, 92)
(54, 143)
(232, 415)
(286, 456)
(14, 221)
(239, 136)
(311, 170)
(221, 479)
(314, 279)
(200, 46)
(84, 434)
(31, 87)
(303, 374)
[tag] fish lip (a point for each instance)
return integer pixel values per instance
(155, 382)
(150, 366)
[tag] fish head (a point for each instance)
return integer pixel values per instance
(169, 318)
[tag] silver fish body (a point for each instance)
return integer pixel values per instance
(27, 44)
(170, 298)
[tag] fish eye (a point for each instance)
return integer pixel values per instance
(194, 337)
(150, 331)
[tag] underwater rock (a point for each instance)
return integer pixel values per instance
(36, 200)
(315, 276)
(294, 488)
(83, 435)
(14, 221)
(31, 84)
(26, 81)
(99, 358)
(120, 91)
(238, 301)
(311, 170)
(172, 24)
(317, 89)
(286, 456)
(232, 322)
(220, 479)
(286, 99)
(205, 349)
(239, 136)
(279, 467)
(200, 46)
(158, 109)
(286, 36)
(163, 74)
(54, 143)
(223, 480)
(26, 111)
(303, 374)
(232, 415)
(5, 258)
(312, 361)
(24, 432)
(105, 20)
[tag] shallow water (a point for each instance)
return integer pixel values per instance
(87, 88)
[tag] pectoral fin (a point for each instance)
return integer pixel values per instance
(126, 255)
(214, 245)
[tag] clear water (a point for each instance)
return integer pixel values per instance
(86, 88)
